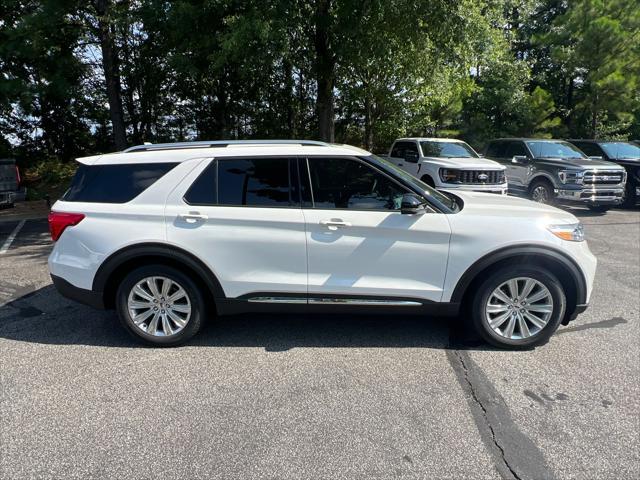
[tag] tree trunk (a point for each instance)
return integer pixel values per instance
(368, 122)
(111, 72)
(325, 72)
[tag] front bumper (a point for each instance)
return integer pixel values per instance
(500, 189)
(592, 196)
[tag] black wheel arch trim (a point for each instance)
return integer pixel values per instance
(518, 251)
(170, 252)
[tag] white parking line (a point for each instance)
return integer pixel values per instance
(7, 243)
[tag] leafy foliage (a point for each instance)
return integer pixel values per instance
(360, 72)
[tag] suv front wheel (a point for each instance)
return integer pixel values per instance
(160, 305)
(518, 307)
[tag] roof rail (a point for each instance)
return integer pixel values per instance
(220, 144)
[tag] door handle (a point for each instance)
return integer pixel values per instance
(192, 217)
(334, 223)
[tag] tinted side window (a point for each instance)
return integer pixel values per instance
(203, 191)
(263, 182)
(590, 149)
(496, 149)
(114, 183)
(349, 184)
(515, 148)
(400, 149)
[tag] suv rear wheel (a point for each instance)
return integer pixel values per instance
(518, 307)
(160, 305)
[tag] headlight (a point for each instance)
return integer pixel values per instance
(571, 176)
(447, 175)
(572, 233)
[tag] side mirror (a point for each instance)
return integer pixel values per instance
(412, 205)
(411, 157)
(520, 159)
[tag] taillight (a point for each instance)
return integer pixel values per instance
(18, 179)
(59, 221)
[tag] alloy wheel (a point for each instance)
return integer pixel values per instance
(519, 308)
(540, 194)
(159, 306)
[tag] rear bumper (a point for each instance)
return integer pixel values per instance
(80, 295)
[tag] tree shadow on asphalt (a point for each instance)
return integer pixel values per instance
(45, 317)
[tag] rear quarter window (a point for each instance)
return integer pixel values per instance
(114, 183)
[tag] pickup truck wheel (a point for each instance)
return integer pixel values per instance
(428, 180)
(541, 191)
(518, 307)
(160, 305)
(629, 198)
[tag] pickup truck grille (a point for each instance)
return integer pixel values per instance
(477, 177)
(603, 177)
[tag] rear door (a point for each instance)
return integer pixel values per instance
(359, 244)
(242, 217)
(517, 172)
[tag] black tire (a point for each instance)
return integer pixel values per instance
(497, 278)
(599, 208)
(195, 297)
(541, 191)
(428, 180)
(630, 197)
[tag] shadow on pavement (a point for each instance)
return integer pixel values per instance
(45, 317)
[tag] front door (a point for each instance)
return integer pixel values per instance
(359, 244)
(242, 217)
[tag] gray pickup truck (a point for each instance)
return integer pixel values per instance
(554, 170)
(9, 182)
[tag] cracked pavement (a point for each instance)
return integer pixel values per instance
(290, 396)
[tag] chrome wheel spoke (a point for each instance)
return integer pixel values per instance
(538, 322)
(153, 324)
(152, 309)
(493, 308)
(540, 308)
(176, 319)
(508, 332)
(513, 288)
(166, 327)
(180, 308)
(528, 286)
(180, 293)
(539, 295)
(497, 321)
(136, 304)
(142, 317)
(153, 288)
(522, 326)
(141, 293)
(500, 295)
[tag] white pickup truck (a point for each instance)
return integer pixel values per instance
(450, 164)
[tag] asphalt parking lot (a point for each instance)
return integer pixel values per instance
(259, 396)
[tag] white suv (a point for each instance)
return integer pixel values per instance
(167, 234)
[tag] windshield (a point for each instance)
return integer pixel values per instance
(553, 148)
(426, 190)
(621, 150)
(448, 150)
